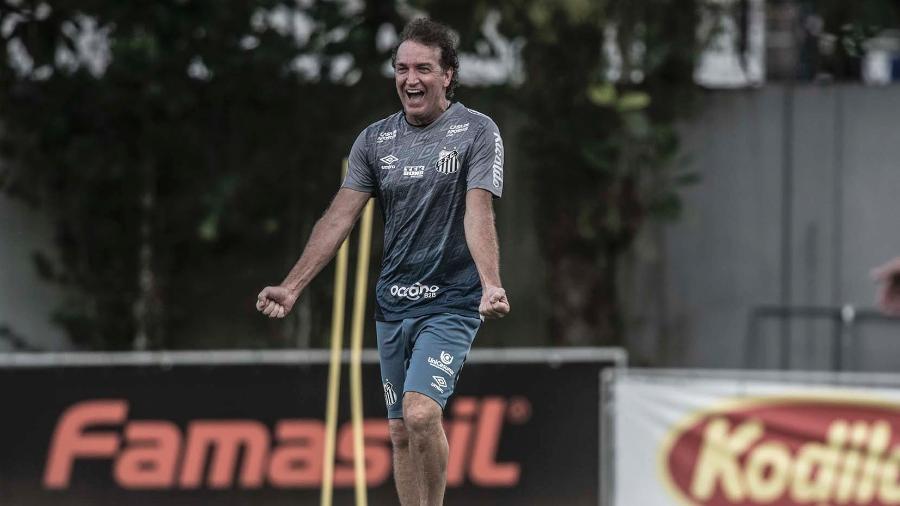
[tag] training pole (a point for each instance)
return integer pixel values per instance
(356, 343)
(334, 367)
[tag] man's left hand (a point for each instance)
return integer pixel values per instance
(494, 303)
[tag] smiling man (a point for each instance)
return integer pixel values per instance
(435, 168)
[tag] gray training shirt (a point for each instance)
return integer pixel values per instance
(420, 176)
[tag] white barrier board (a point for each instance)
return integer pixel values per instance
(728, 438)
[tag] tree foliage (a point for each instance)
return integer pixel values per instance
(606, 82)
(191, 160)
(186, 160)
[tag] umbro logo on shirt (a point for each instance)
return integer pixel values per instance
(448, 162)
(389, 160)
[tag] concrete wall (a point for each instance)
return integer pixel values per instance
(798, 201)
(26, 302)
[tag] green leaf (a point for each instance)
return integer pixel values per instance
(633, 101)
(602, 94)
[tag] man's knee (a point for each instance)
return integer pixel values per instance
(420, 413)
(399, 434)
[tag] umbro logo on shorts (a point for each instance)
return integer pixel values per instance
(448, 162)
(439, 383)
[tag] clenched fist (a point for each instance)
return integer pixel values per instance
(494, 303)
(275, 301)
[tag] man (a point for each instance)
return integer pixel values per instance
(888, 278)
(435, 168)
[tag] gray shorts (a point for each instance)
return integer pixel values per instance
(423, 354)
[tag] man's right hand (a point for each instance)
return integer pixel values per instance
(275, 301)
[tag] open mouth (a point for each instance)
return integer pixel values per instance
(415, 94)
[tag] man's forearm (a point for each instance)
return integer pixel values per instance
(481, 237)
(325, 239)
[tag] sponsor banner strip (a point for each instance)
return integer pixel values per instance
(236, 433)
(618, 356)
(745, 438)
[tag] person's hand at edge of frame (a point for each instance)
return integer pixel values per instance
(275, 301)
(888, 278)
(494, 303)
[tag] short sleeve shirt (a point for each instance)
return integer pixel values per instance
(420, 176)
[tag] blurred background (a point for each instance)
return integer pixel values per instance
(705, 183)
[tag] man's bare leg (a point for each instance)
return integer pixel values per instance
(428, 447)
(404, 472)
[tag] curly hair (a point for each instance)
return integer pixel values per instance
(433, 34)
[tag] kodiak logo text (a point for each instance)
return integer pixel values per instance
(787, 451)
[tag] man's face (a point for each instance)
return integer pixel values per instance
(421, 83)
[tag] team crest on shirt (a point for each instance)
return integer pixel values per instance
(448, 161)
(390, 396)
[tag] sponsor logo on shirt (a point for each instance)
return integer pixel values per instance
(437, 364)
(386, 136)
(448, 161)
(446, 357)
(498, 160)
(415, 292)
(439, 383)
(457, 129)
(414, 171)
(389, 160)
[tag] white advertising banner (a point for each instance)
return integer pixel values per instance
(729, 438)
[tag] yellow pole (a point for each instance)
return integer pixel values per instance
(356, 342)
(334, 367)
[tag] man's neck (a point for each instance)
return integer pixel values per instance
(445, 104)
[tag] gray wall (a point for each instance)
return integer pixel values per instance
(26, 302)
(745, 241)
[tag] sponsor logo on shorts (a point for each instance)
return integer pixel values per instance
(414, 171)
(415, 292)
(389, 160)
(448, 161)
(498, 160)
(437, 364)
(446, 357)
(439, 383)
(390, 396)
(386, 136)
(457, 129)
